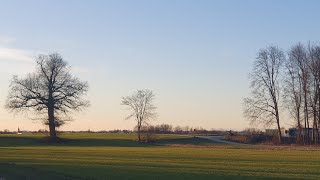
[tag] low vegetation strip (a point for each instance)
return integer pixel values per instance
(120, 157)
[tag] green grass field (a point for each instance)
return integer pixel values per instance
(118, 156)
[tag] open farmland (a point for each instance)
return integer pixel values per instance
(105, 156)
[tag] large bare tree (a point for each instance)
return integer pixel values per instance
(141, 107)
(263, 105)
(50, 91)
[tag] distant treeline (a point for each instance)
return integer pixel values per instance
(155, 129)
(169, 129)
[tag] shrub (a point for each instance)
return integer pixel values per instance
(148, 137)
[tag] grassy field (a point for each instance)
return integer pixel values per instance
(114, 156)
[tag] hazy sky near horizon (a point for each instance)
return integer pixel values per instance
(195, 55)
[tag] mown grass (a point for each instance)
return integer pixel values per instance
(96, 140)
(118, 156)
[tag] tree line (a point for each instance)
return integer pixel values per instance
(287, 81)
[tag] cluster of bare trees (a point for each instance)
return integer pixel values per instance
(169, 129)
(287, 81)
(158, 129)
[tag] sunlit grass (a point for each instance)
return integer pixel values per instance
(120, 157)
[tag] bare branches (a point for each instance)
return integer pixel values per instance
(25, 94)
(263, 106)
(300, 85)
(141, 107)
(50, 88)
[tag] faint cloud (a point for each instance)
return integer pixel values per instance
(77, 69)
(12, 54)
(7, 40)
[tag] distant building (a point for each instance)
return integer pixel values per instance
(23, 132)
(271, 132)
(274, 132)
(293, 132)
(284, 132)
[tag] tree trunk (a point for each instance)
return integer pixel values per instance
(306, 116)
(278, 122)
(318, 133)
(139, 137)
(52, 126)
(314, 137)
(318, 116)
(314, 132)
(299, 127)
(308, 131)
(279, 131)
(305, 131)
(306, 123)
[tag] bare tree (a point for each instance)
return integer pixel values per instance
(314, 66)
(141, 107)
(49, 90)
(293, 91)
(263, 106)
(298, 54)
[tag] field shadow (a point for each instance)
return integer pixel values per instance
(19, 141)
(91, 142)
(49, 172)
(187, 141)
(134, 143)
(15, 141)
(81, 142)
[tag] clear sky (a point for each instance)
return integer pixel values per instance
(195, 55)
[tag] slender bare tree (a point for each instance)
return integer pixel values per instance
(263, 106)
(50, 90)
(141, 107)
(298, 54)
(314, 66)
(293, 92)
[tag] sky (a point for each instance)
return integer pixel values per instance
(194, 54)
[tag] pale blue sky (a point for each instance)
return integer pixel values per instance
(195, 55)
